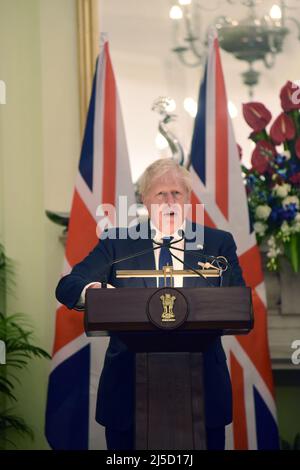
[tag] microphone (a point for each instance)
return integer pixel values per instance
(167, 245)
(220, 262)
(184, 263)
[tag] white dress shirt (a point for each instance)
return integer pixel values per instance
(178, 280)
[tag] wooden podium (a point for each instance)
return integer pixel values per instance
(169, 412)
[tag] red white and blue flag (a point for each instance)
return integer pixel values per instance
(103, 175)
(218, 184)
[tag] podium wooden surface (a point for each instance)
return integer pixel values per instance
(169, 412)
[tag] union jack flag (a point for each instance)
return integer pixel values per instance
(218, 184)
(103, 174)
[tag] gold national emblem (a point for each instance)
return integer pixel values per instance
(167, 301)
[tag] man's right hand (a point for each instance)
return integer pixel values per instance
(92, 285)
(97, 285)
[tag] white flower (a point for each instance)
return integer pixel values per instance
(274, 249)
(291, 200)
(285, 231)
(296, 223)
(285, 228)
(262, 212)
(295, 228)
(282, 190)
(272, 253)
(286, 154)
(297, 217)
(260, 228)
(271, 241)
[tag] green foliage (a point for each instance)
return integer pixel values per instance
(17, 334)
(6, 274)
(285, 445)
(10, 422)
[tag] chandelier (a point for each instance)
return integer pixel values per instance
(250, 39)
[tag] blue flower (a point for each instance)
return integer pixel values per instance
(279, 159)
(290, 211)
(262, 196)
(251, 180)
(294, 168)
(282, 173)
(277, 214)
(271, 199)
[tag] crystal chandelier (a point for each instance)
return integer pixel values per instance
(250, 39)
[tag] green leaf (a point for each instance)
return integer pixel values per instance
(285, 445)
(17, 332)
(294, 114)
(297, 442)
(6, 389)
(258, 136)
(10, 422)
(292, 251)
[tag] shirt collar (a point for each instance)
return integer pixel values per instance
(158, 235)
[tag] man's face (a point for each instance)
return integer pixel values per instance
(165, 201)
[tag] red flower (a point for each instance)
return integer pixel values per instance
(282, 129)
(290, 96)
(297, 147)
(256, 115)
(262, 155)
(295, 179)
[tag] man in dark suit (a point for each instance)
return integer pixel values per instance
(165, 189)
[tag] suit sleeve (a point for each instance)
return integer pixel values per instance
(93, 268)
(233, 276)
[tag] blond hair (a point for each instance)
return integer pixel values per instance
(158, 169)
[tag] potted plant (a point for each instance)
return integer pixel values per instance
(16, 336)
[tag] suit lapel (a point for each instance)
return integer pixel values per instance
(147, 260)
(191, 259)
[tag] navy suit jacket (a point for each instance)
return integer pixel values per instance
(115, 403)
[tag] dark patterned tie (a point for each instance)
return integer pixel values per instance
(165, 259)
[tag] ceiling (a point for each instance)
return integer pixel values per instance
(141, 39)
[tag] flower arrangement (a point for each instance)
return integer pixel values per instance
(273, 181)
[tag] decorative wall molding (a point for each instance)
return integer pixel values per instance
(88, 47)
